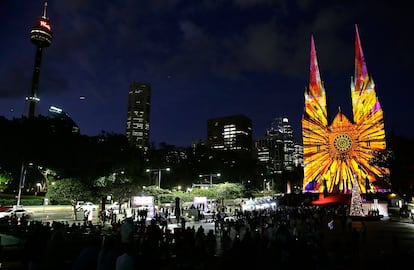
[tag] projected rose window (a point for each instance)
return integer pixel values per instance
(343, 142)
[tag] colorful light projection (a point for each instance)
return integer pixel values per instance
(336, 154)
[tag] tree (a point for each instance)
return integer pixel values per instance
(69, 190)
(402, 166)
(229, 190)
(220, 191)
(5, 178)
(124, 192)
(119, 185)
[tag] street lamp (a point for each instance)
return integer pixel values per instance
(211, 176)
(159, 173)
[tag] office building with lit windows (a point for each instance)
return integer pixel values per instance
(231, 133)
(277, 150)
(138, 115)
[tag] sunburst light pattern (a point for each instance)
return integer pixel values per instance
(337, 153)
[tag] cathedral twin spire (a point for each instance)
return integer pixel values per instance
(361, 72)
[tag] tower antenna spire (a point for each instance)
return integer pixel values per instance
(44, 10)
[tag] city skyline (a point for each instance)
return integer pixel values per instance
(203, 60)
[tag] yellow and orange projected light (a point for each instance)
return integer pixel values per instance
(336, 154)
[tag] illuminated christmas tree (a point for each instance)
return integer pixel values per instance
(356, 209)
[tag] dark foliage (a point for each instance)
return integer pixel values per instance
(47, 142)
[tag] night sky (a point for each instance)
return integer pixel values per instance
(204, 59)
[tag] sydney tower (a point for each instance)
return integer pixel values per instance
(41, 36)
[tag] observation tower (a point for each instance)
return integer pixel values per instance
(41, 36)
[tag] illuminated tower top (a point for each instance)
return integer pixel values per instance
(41, 33)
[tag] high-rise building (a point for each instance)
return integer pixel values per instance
(138, 115)
(278, 152)
(277, 149)
(230, 133)
(282, 127)
(41, 36)
(65, 122)
(228, 150)
(338, 155)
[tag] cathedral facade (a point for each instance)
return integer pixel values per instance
(337, 153)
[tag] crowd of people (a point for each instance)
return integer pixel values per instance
(283, 237)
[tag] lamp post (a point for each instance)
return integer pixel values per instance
(159, 173)
(21, 182)
(211, 175)
(159, 170)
